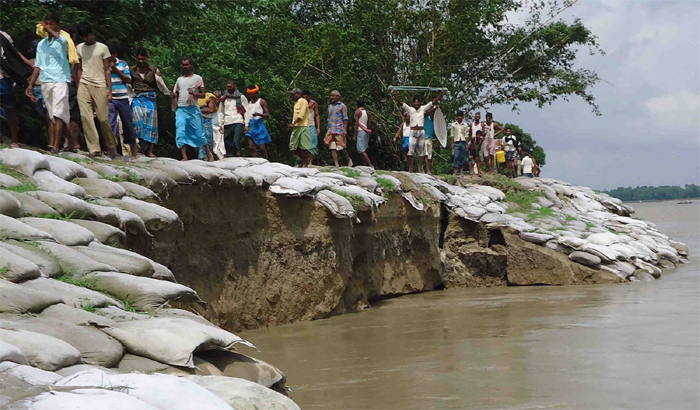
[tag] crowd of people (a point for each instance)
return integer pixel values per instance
(90, 87)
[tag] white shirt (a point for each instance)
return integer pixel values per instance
(527, 165)
(228, 114)
(476, 127)
(459, 132)
(417, 116)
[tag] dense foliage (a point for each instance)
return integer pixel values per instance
(658, 193)
(356, 46)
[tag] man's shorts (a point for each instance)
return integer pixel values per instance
(489, 147)
(429, 148)
(511, 155)
(362, 141)
(56, 100)
(474, 153)
(416, 143)
(6, 98)
(300, 139)
(334, 141)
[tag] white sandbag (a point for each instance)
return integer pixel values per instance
(627, 252)
(295, 172)
(15, 268)
(7, 181)
(492, 193)
(101, 188)
(137, 191)
(11, 353)
(106, 171)
(23, 160)
(202, 174)
(162, 391)
(123, 260)
(572, 242)
(338, 205)
(339, 177)
(131, 363)
(296, 186)
(419, 206)
(64, 204)
(32, 206)
(667, 252)
(10, 228)
(155, 178)
(234, 364)
(29, 374)
(162, 272)
(104, 233)
(10, 206)
(237, 162)
(155, 217)
(603, 239)
(95, 347)
(42, 351)
(144, 294)
(248, 178)
(605, 253)
(242, 394)
(72, 261)
(47, 181)
(171, 341)
(173, 171)
(369, 199)
(367, 183)
(58, 167)
(87, 399)
(77, 368)
(127, 221)
(73, 315)
(17, 299)
(64, 232)
(75, 296)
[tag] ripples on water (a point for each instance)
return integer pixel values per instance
(606, 346)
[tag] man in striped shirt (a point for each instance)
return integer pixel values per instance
(121, 76)
(336, 136)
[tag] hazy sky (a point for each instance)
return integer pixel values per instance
(649, 133)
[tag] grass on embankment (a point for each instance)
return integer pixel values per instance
(27, 184)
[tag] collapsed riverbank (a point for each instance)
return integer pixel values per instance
(245, 243)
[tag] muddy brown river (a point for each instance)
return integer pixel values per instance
(630, 346)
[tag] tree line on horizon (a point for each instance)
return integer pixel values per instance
(655, 193)
(356, 46)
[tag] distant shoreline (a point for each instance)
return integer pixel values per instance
(661, 200)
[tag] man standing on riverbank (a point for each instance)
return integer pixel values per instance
(208, 106)
(188, 117)
(52, 69)
(95, 90)
(314, 124)
(416, 143)
(145, 79)
(362, 132)
(256, 131)
(429, 128)
(475, 142)
(512, 146)
(119, 106)
(490, 134)
(459, 131)
(232, 108)
(336, 135)
(300, 140)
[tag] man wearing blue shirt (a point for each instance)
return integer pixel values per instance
(52, 68)
(119, 106)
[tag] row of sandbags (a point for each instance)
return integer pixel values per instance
(28, 388)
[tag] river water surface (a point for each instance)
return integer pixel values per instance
(633, 345)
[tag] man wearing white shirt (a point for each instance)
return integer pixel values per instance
(232, 108)
(417, 113)
(528, 165)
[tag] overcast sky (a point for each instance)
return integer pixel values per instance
(649, 133)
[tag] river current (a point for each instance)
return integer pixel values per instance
(634, 345)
